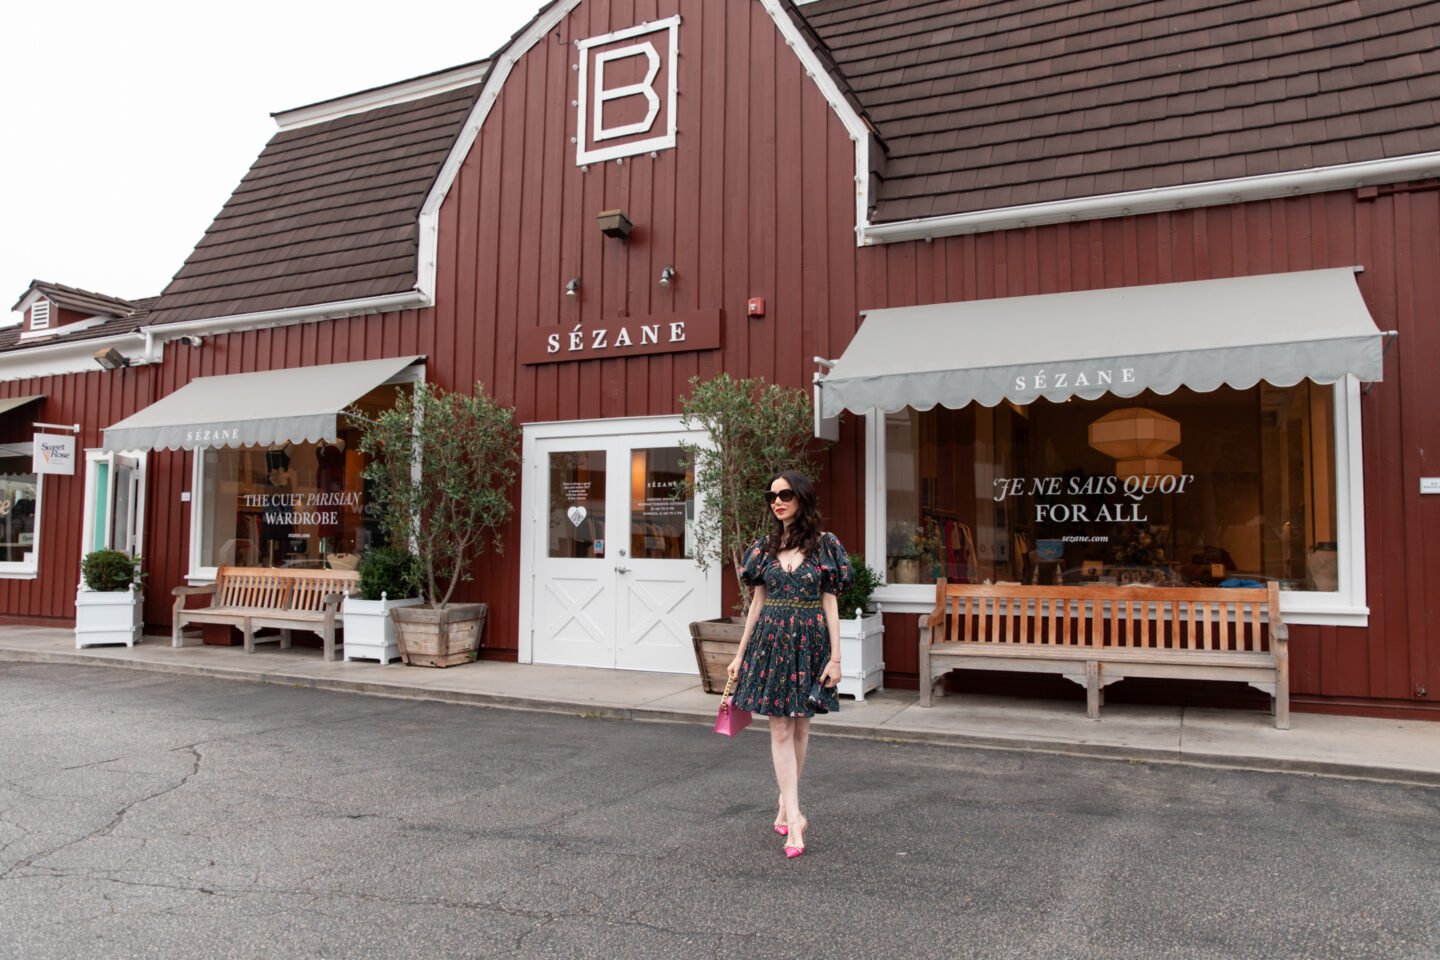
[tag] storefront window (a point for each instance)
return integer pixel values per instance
(290, 505)
(19, 508)
(1225, 487)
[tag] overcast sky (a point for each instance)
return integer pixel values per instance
(129, 124)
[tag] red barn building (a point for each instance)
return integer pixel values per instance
(1105, 293)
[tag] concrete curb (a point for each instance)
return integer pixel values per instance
(878, 734)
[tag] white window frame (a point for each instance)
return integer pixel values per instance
(94, 458)
(27, 569)
(1345, 606)
(201, 574)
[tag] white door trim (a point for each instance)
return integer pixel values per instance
(532, 483)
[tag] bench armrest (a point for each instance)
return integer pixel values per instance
(332, 599)
(193, 591)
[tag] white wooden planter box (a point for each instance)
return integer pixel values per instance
(862, 655)
(369, 631)
(108, 617)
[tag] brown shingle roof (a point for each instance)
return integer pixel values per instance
(992, 103)
(137, 316)
(81, 301)
(328, 212)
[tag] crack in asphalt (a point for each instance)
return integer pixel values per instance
(115, 820)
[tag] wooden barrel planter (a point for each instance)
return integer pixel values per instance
(431, 637)
(715, 644)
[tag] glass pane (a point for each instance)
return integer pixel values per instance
(124, 509)
(1231, 486)
(577, 504)
(299, 505)
(17, 509)
(660, 527)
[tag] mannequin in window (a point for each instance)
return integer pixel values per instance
(275, 526)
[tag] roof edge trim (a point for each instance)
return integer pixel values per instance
(69, 356)
(335, 310)
(406, 90)
(1209, 193)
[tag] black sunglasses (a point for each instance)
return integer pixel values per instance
(784, 495)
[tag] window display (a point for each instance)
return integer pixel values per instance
(292, 504)
(19, 507)
(1227, 487)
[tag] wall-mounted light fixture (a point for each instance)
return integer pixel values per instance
(572, 289)
(667, 276)
(111, 359)
(190, 340)
(614, 224)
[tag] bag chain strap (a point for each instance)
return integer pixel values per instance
(729, 689)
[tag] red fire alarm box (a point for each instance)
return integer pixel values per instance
(756, 307)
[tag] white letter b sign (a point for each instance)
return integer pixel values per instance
(627, 92)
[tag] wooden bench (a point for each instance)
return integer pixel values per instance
(1095, 636)
(254, 597)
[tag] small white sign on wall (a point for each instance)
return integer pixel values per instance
(1430, 484)
(54, 453)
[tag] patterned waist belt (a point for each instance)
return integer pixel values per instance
(801, 604)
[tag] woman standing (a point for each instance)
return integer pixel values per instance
(788, 664)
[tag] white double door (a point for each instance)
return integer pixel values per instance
(611, 547)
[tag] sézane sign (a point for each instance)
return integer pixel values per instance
(622, 337)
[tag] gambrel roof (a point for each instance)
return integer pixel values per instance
(977, 105)
(327, 213)
(998, 103)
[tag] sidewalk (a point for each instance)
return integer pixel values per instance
(1396, 750)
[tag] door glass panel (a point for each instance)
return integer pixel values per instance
(577, 504)
(124, 508)
(659, 524)
(102, 503)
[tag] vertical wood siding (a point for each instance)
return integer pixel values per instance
(757, 199)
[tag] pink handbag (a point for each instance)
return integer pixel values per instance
(731, 719)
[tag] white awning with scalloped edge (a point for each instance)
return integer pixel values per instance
(294, 405)
(1281, 328)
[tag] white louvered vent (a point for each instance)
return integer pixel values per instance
(40, 315)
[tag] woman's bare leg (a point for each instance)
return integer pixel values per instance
(802, 743)
(787, 772)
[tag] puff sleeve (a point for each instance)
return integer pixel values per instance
(835, 570)
(752, 569)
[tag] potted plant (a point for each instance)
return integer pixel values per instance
(389, 579)
(903, 552)
(442, 463)
(753, 430)
(862, 633)
(109, 601)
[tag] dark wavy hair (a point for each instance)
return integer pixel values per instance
(805, 528)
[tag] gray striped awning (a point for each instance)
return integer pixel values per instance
(1279, 327)
(294, 405)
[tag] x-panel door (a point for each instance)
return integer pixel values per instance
(615, 582)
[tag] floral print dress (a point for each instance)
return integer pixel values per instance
(790, 643)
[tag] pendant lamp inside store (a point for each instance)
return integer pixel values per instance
(1138, 439)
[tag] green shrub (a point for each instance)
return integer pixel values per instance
(857, 595)
(110, 571)
(391, 571)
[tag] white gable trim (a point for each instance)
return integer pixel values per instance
(505, 61)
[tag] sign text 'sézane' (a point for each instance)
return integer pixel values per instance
(212, 435)
(600, 337)
(1043, 380)
(621, 337)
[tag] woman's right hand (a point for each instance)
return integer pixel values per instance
(733, 670)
